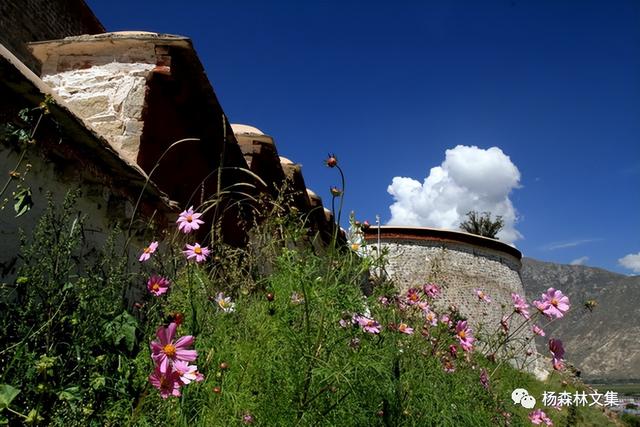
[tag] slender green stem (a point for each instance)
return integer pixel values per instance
(22, 155)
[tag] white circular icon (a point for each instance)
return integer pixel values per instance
(528, 402)
(518, 394)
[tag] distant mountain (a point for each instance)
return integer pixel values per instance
(603, 344)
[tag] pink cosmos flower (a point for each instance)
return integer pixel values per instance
(557, 352)
(146, 252)
(446, 320)
(225, 303)
(537, 330)
(412, 296)
(482, 296)
(464, 335)
(247, 418)
(424, 306)
(453, 350)
(384, 301)
(431, 318)
(448, 366)
(504, 322)
(157, 285)
(200, 253)
(405, 329)
(554, 304)
(165, 351)
(538, 417)
(431, 289)
(186, 372)
(520, 305)
(168, 383)
(189, 220)
(368, 325)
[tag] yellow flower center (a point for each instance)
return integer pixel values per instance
(189, 218)
(554, 302)
(155, 287)
(462, 334)
(169, 350)
(147, 250)
(355, 246)
(197, 250)
(222, 303)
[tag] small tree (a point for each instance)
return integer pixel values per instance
(482, 224)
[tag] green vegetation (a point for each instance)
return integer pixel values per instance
(280, 333)
(75, 353)
(482, 224)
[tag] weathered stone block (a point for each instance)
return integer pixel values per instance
(91, 106)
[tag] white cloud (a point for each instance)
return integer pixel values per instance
(569, 244)
(580, 261)
(631, 261)
(470, 178)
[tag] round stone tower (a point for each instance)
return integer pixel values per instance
(459, 263)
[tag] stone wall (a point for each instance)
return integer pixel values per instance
(23, 21)
(66, 155)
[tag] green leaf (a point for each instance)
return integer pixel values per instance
(23, 200)
(33, 417)
(7, 394)
(70, 394)
(98, 382)
(122, 329)
(3, 421)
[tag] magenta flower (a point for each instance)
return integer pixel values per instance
(200, 253)
(412, 296)
(484, 378)
(464, 335)
(186, 372)
(168, 383)
(453, 350)
(431, 290)
(189, 220)
(554, 304)
(405, 329)
(157, 285)
(146, 252)
(557, 352)
(505, 323)
(247, 418)
(368, 325)
(520, 305)
(165, 351)
(538, 417)
(482, 296)
(537, 330)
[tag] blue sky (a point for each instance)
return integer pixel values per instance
(390, 87)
